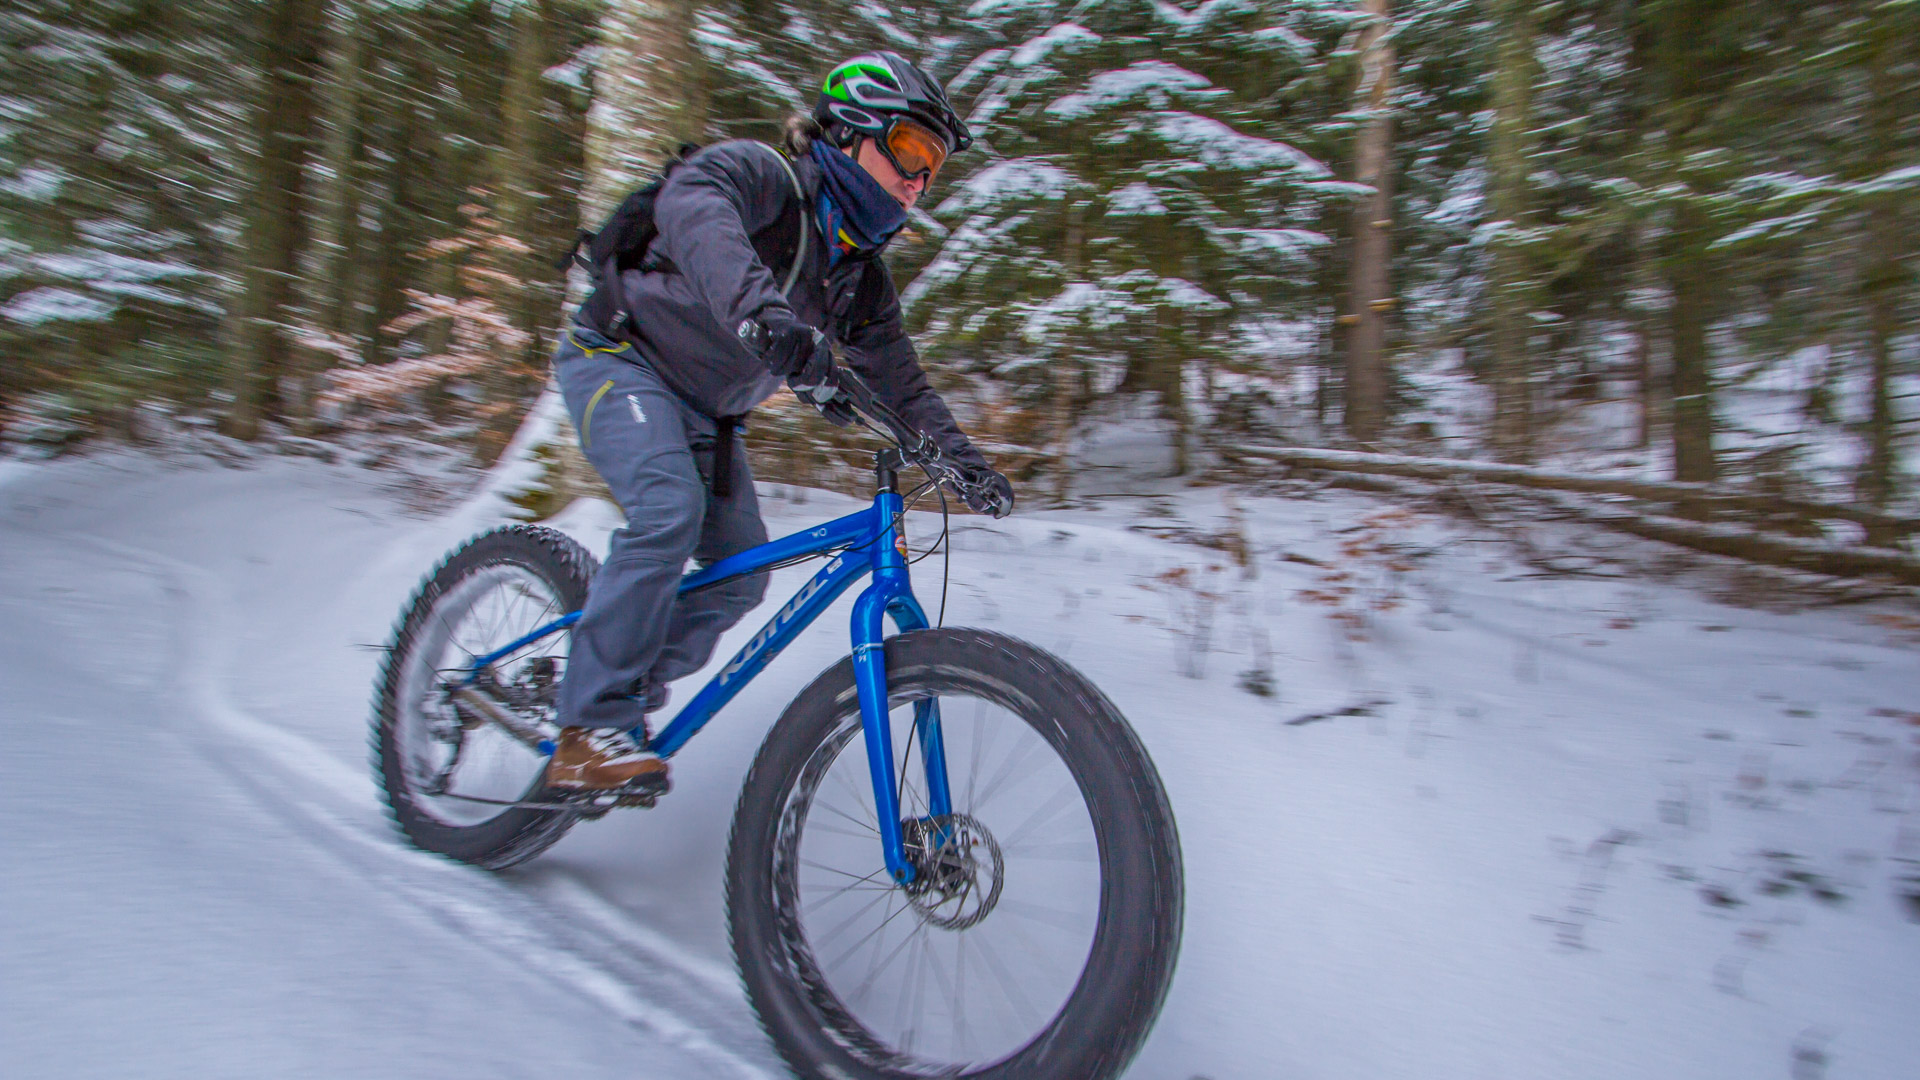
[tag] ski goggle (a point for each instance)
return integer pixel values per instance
(913, 149)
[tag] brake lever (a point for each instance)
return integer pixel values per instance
(916, 447)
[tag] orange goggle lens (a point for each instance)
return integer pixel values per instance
(915, 150)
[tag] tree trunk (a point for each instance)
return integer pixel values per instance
(523, 115)
(1067, 373)
(275, 229)
(332, 289)
(1512, 286)
(1367, 374)
(1643, 383)
(399, 210)
(649, 97)
(1689, 278)
(1884, 277)
(328, 293)
(1682, 49)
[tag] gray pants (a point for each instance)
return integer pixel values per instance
(656, 454)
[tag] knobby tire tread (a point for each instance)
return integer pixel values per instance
(515, 835)
(1139, 969)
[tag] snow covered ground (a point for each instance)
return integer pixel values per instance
(1484, 823)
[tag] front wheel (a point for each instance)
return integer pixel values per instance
(1040, 933)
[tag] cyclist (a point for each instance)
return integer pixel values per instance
(703, 332)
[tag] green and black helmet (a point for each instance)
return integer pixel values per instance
(868, 93)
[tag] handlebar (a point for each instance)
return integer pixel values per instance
(915, 446)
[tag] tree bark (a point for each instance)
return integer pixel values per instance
(1643, 383)
(1688, 276)
(648, 97)
(1884, 278)
(328, 292)
(275, 229)
(1682, 50)
(1367, 373)
(400, 212)
(523, 111)
(332, 289)
(1693, 498)
(1512, 286)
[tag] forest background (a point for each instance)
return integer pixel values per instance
(1671, 239)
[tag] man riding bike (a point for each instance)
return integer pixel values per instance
(701, 332)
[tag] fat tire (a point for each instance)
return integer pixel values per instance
(516, 835)
(1130, 964)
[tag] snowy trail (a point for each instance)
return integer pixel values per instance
(316, 809)
(1476, 831)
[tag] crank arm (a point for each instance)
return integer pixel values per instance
(499, 715)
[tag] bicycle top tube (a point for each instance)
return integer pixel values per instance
(869, 533)
(841, 532)
(861, 528)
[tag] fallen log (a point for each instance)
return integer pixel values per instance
(1876, 522)
(1794, 553)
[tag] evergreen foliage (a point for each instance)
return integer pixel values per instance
(1138, 221)
(1678, 231)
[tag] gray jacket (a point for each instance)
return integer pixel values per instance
(687, 312)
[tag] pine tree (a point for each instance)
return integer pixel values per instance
(1137, 210)
(117, 200)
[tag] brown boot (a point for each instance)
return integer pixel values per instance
(604, 759)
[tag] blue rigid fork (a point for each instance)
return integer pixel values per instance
(870, 541)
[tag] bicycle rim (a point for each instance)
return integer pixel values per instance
(447, 765)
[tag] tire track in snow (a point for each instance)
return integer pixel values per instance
(563, 933)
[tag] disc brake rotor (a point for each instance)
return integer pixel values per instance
(958, 870)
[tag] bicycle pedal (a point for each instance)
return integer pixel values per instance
(595, 802)
(596, 805)
(643, 793)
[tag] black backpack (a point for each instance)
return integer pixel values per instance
(622, 242)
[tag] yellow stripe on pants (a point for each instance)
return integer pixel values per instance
(586, 418)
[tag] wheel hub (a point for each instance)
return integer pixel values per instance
(957, 870)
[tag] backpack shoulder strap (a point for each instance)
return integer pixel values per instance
(800, 204)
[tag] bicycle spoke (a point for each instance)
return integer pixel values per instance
(1064, 920)
(855, 820)
(851, 919)
(1008, 985)
(979, 744)
(882, 965)
(871, 832)
(1007, 772)
(1062, 799)
(977, 957)
(491, 608)
(1082, 851)
(860, 799)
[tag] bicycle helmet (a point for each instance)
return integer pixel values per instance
(864, 96)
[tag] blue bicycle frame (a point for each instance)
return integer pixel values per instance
(866, 542)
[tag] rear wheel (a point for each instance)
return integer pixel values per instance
(1039, 936)
(449, 775)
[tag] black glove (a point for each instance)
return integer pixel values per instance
(827, 398)
(989, 492)
(792, 349)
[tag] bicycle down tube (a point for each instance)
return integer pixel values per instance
(866, 542)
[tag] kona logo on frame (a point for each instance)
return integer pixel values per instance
(778, 623)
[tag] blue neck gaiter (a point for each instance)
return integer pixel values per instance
(856, 214)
